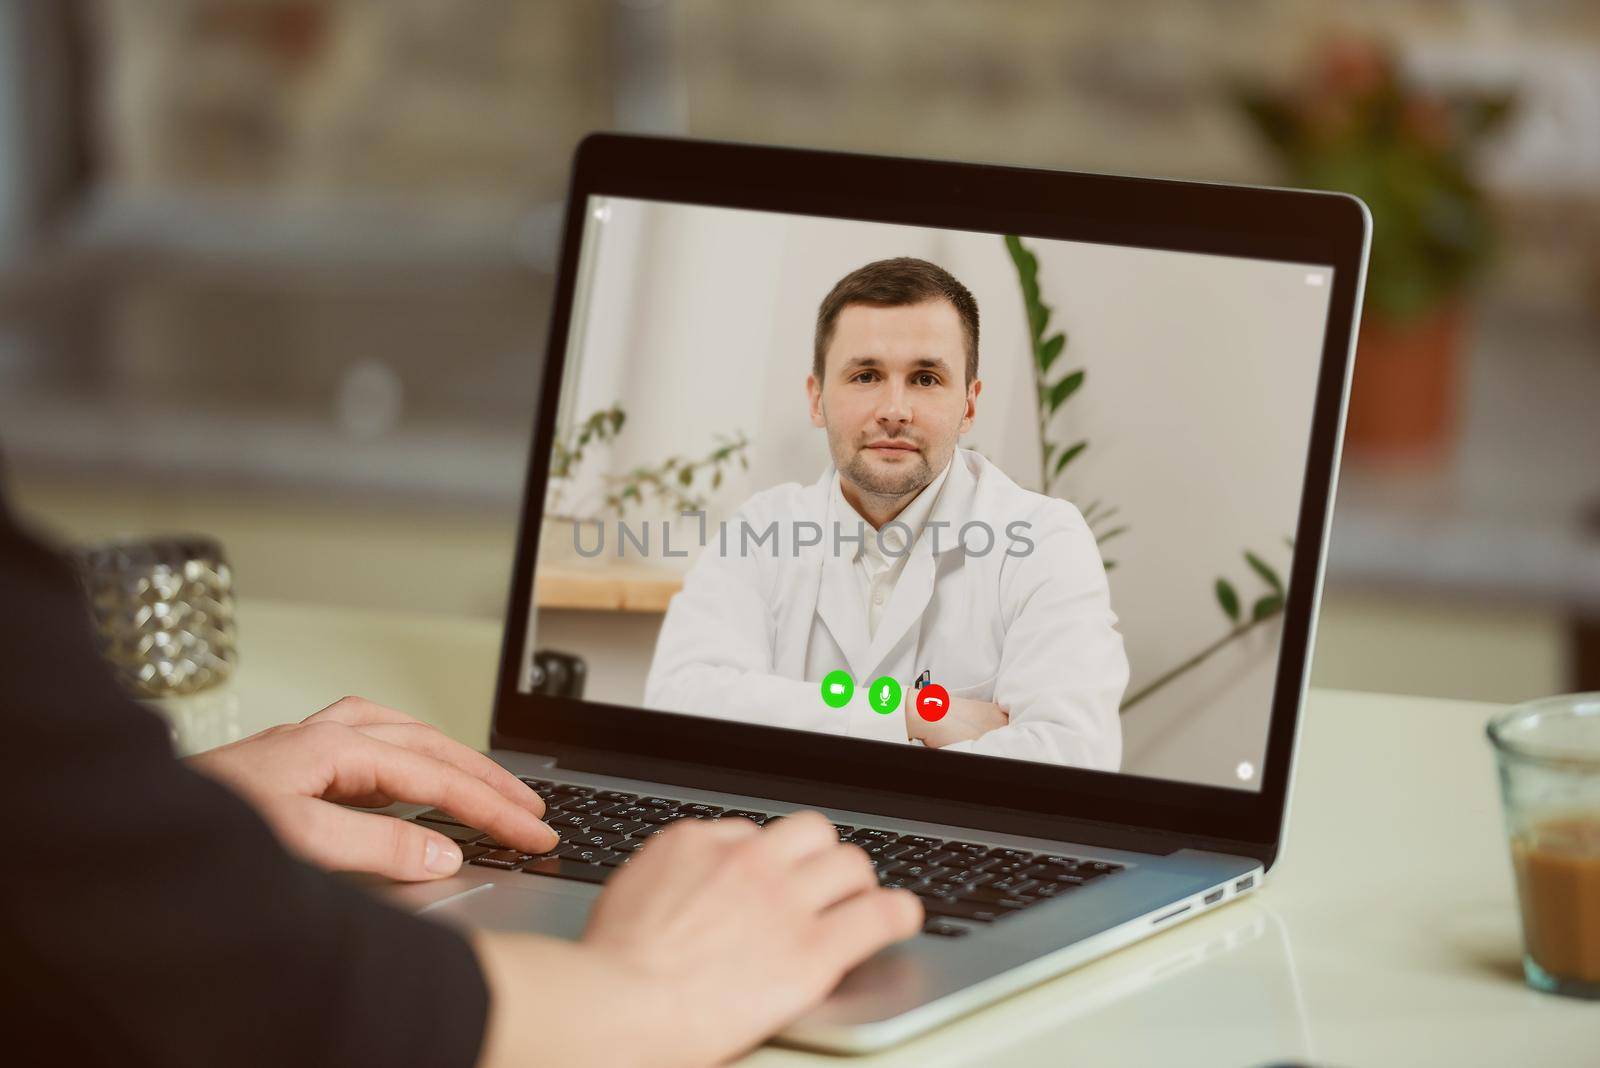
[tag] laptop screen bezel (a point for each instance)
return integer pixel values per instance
(1326, 229)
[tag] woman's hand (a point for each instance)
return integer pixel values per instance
(716, 935)
(299, 776)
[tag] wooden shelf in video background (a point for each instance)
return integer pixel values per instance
(606, 587)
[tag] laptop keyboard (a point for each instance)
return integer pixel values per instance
(956, 881)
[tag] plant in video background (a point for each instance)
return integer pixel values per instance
(1052, 393)
(682, 484)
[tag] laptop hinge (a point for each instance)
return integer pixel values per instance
(983, 817)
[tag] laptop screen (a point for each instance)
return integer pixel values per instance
(962, 491)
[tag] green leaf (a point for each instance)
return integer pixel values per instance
(716, 479)
(686, 475)
(1038, 317)
(1228, 598)
(1269, 576)
(1108, 535)
(1063, 389)
(1110, 564)
(1269, 605)
(1050, 350)
(1067, 457)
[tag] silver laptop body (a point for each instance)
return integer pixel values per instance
(1150, 853)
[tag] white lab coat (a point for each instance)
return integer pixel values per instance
(752, 632)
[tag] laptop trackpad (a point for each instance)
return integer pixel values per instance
(558, 909)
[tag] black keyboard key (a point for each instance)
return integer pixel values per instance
(916, 854)
(629, 845)
(453, 831)
(1058, 862)
(1044, 890)
(988, 895)
(968, 848)
(919, 840)
(658, 802)
(620, 797)
(746, 814)
(963, 910)
(1101, 867)
(621, 828)
(1010, 854)
(472, 852)
(944, 929)
(1006, 887)
(508, 859)
(695, 808)
(950, 859)
(592, 805)
(488, 842)
(897, 882)
(565, 823)
(613, 860)
(637, 813)
(583, 853)
(597, 839)
(438, 815)
(1004, 868)
(962, 877)
(562, 868)
(874, 834)
(540, 786)
(565, 789)
(664, 816)
(1049, 874)
(916, 871)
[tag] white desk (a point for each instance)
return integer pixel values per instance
(1388, 935)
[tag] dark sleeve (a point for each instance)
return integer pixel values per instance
(149, 917)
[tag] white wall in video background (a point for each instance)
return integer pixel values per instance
(1196, 406)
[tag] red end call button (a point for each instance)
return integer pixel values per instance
(933, 701)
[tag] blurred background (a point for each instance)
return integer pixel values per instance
(279, 270)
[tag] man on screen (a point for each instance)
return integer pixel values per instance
(908, 555)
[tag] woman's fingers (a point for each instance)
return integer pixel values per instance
(365, 766)
(421, 738)
(357, 712)
(858, 927)
(835, 874)
(342, 839)
(798, 836)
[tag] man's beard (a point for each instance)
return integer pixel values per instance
(890, 484)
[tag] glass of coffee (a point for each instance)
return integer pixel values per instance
(1549, 757)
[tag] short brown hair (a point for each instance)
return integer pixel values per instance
(895, 283)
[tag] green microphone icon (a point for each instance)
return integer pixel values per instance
(884, 695)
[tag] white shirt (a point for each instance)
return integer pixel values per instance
(754, 631)
(877, 570)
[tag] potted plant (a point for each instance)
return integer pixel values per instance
(673, 486)
(1359, 126)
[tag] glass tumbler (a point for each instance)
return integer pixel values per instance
(1548, 752)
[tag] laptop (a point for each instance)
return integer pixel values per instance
(775, 378)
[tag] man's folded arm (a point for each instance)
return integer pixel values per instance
(150, 917)
(1064, 669)
(714, 655)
